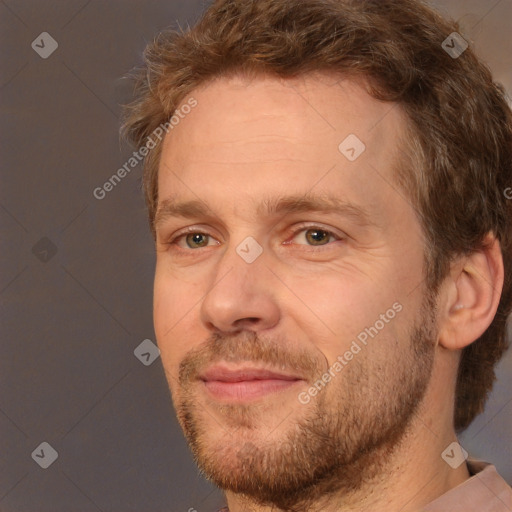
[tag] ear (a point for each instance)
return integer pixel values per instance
(470, 296)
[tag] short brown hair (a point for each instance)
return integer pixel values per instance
(457, 164)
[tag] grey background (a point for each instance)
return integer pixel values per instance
(76, 272)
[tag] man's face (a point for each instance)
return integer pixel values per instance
(292, 334)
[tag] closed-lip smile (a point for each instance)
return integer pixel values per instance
(245, 383)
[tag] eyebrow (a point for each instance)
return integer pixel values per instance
(169, 208)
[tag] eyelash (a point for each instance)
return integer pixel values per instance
(292, 234)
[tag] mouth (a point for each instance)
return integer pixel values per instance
(245, 384)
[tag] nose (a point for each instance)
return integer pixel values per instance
(241, 296)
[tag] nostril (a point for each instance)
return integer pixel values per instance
(249, 320)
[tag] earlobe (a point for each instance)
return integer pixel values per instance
(471, 296)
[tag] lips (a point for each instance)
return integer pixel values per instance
(222, 374)
(242, 384)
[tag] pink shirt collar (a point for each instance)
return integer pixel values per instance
(485, 491)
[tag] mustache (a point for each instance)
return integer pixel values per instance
(247, 346)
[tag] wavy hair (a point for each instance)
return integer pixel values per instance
(457, 159)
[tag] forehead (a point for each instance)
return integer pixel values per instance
(309, 107)
(246, 137)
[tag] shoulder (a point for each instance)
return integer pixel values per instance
(484, 491)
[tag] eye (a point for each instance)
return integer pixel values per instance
(192, 240)
(314, 236)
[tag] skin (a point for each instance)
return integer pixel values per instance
(298, 306)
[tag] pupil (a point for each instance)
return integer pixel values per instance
(317, 236)
(197, 239)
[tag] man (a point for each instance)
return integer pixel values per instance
(334, 250)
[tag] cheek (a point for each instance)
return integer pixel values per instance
(339, 304)
(174, 304)
(174, 297)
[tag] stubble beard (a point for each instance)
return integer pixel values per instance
(341, 442)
